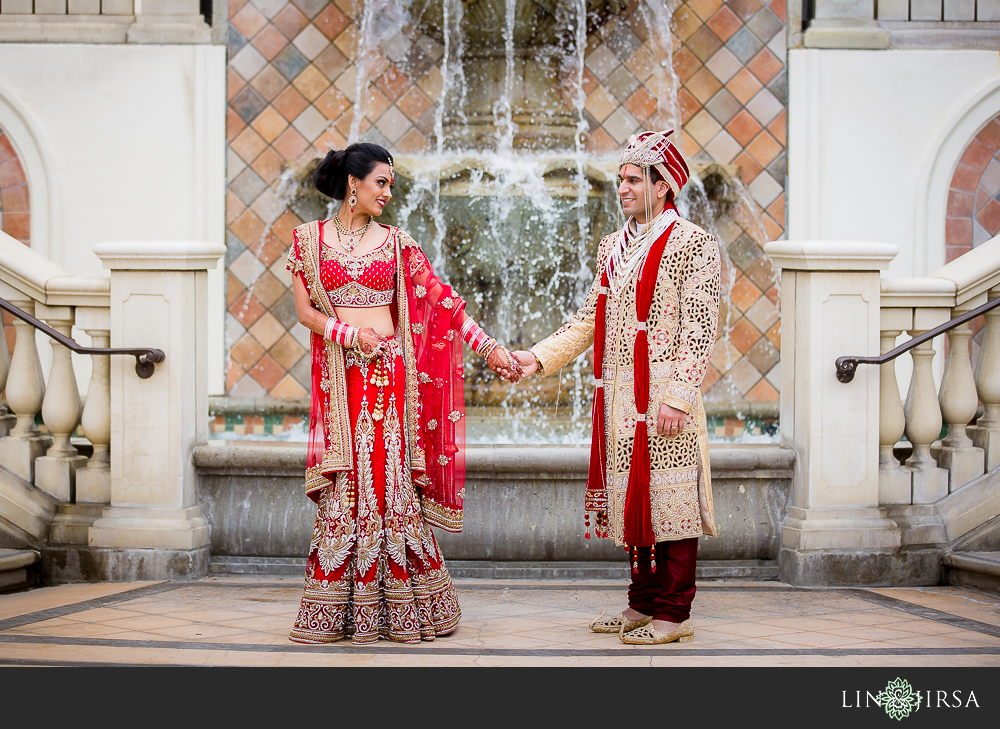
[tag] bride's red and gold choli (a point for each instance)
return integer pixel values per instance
(386, 447)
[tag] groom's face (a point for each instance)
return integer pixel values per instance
(632, 190)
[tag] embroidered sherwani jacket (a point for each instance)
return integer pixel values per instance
(681, 330)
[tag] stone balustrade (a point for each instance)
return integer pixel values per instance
(866, 24)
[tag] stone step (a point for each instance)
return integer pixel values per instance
(469, 569)
(18, 568)
(973, 569)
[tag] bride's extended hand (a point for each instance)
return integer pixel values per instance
(529, 365)
(501, 361)
(369, 341)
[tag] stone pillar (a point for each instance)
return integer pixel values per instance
(845, 24)
(7, 420)
(959, 400)
(986, 432)
(894, 482)
(923, 425)
(154, 529)
(834, 531)
(93, 483)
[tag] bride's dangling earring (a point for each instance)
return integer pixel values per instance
(353, 202)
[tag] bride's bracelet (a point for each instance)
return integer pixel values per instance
(473, 335)
(343, 334)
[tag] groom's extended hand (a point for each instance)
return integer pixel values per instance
(528, 362)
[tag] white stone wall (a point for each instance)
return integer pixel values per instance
(120, 142)
(872, 136)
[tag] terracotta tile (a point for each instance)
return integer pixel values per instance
(288, 388)
(960, 204)
(248, 227)
(689, 147)
(763, 391)
(268, 250)
(600, 104)
(290, 103)
(267, 372)
(724, 23)
(15, 200)
(234, 125)
(743, 128)
(744, 294)
(290, 21)
(777, 128)
(976, 155)
(248, 145)
(234, 83)
(330, 139)
(247, 310)
(376, 103)
(686, 23)
(331, 63)
(711, 377)
(641, 64)
(6, 149)
(267, 330)
(702, 128)
(331, 22)
(765, 65)
(269, 83)
(414, 103)
(703, 44)
(287, 351)
(989, 217)
(951, 252)
(284, 226)
(641, 105)
(686, 64)
(743, 86)
(774, 294)
(983, 196)
(269, 125)
(965, 178)
(17, 225)
(235, 6)
(12, 173)
(745, 9)
(777, 208)
(749, 169)
(291, 144)
(764, 148)
(600, 142)
(311, 83)
(347, 41)
(778, 8)
(704, 9)
(234, 207)
(413, 142)
(703, 85)
(234, 289)
(233, 375)
(393, 83)
(248, 104)
(774, 336)
(744, 335)
(689, 106)
(990, 136)
(248, 21)
(270, 42)
(773, 228)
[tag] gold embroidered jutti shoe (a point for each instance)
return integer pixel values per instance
(617, 623)
(648, 635)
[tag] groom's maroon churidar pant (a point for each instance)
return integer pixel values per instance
(666, 594)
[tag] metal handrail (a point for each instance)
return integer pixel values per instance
(847, 365)
(146, 358)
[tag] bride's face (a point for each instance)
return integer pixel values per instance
(375, 190)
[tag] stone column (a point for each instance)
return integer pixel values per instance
(986, 432)
(834, 531)
(894, 481)
(154, 529)
(845, 24)
(959, 400)
(7, 420)
(93, 483)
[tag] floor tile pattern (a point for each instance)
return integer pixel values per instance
(292, 91)
(245, 621)
(973, 212)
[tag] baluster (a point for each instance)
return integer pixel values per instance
(25, 391)
(56, 472)
(93, 483)
(986, 432)
(894, 483)
(923, 425)
(959, 400)
(6, 419)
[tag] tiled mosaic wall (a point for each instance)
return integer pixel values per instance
(973, 212)
(291, 94)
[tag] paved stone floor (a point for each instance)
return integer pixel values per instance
(244, 621)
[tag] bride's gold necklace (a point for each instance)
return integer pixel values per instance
(353, 237)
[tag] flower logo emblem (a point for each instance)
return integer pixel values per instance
(898, 699)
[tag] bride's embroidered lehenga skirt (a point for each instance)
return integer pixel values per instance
(374, 568)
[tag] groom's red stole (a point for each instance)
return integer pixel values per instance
(638, 514)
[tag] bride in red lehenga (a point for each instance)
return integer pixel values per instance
(386, 424)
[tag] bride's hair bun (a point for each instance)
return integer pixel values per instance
(357, 159)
